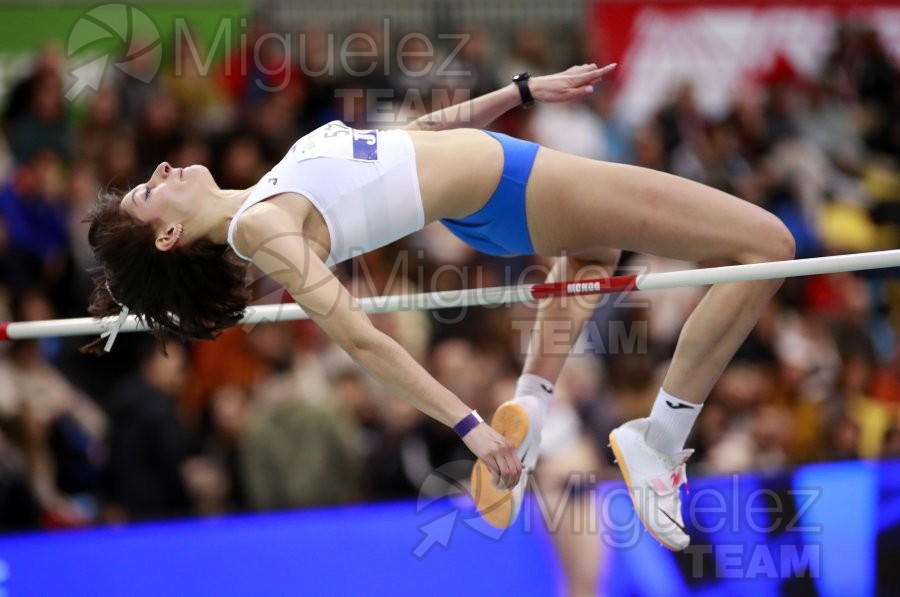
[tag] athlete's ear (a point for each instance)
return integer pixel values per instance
(169, 237)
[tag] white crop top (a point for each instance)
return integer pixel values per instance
(363, 182)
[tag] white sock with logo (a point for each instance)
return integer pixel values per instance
(534, 393)
(671, 421)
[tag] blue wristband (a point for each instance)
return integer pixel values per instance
(468, 423)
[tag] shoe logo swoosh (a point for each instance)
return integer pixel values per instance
(677, 406)
(666, 514)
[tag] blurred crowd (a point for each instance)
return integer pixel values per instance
(275, 416)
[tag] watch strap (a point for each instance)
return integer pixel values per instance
(521, 81)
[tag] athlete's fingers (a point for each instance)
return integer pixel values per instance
(591, 76)
(505, 472)
(515, 465)
(579, 68)
(495, 472)
(515, 470)
(577, 92)
(507, 458)
(595, 74)
(502, 479)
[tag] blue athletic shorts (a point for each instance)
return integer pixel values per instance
(501, 226)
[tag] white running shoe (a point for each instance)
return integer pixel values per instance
(500, 507)
(654, 480)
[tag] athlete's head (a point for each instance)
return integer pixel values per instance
(153, 260)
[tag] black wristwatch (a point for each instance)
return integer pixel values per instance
(521, 81)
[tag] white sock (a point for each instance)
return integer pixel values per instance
(671, 420)
(534, 393)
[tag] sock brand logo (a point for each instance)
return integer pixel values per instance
(677, 406)
(547, 388)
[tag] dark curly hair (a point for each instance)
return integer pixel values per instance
(190, 292)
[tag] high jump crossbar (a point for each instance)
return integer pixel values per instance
(497, 295)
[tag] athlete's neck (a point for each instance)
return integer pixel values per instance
(212, 222)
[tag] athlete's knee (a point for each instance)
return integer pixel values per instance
(774, 242)
(779, 242)
(787, 245)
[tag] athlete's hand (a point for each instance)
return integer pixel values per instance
(497, 453)
(570, 84)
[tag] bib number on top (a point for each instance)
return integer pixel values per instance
(337, 140)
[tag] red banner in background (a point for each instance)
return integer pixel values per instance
(721, 47)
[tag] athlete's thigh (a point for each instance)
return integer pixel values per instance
(575, 204)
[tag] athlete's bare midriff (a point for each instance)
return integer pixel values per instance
(458, 171)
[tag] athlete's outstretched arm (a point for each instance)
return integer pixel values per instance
(573, 83)
(279, 251)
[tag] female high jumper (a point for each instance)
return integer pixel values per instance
(167, 252)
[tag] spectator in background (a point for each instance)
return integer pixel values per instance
(120, 165)
(136, 79)
(861, 72)
(49, 61)
(194, 150)
(200, 99)
(229, 361)
(319, 66)
(242, 162)
(649, 148)
(160, 131)
(43, 126)
(531, 51)
(59, 432)
(829, 123)
(681, 121)
(148, 443)
(213, 474)
(273, 125)
(473, 68)
(299, 450)
(841, 439)
(33, 207)
(853, 398)
(615, 132)
(886, 385)
(415, 73)
(19, 508)
(101, 126)
(754, 434)
(364, 63)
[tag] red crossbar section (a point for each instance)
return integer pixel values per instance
(3, 333)
(596, 286)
